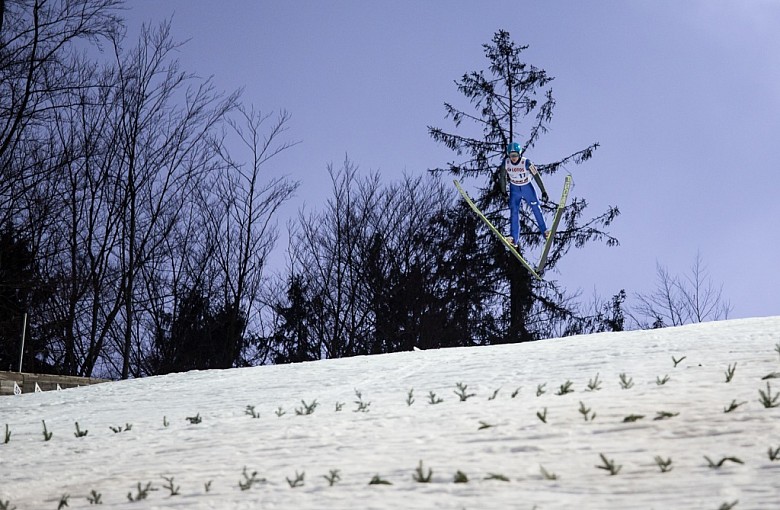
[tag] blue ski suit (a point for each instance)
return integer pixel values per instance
(520, 188)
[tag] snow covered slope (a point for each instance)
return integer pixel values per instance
(531, 413)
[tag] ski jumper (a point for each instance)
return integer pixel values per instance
(520, 188)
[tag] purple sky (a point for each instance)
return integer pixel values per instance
(682, 95)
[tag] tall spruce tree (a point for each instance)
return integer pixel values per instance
(292, 340)
(513, 101)
(197, 336)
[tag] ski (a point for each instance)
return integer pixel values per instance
(556, 220)
(511, 248)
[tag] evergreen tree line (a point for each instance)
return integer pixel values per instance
(138, 209)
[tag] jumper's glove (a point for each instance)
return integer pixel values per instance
(545, 196)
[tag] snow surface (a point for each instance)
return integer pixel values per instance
(391, 438)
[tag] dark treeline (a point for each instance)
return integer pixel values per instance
(138, 212)
(135, 213)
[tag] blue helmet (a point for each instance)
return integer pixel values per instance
(513, 147)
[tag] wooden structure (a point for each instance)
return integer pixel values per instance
(9, 381)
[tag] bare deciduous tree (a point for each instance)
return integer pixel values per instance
(135, 212)
(678, 300)
(165, 117)
(36, 41)
(41, 77)
(329, 251)
(241, 217)
(79, 244)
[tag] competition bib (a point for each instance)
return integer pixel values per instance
(518, 174)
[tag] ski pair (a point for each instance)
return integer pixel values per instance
(535, 272)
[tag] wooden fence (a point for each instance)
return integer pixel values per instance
(15, 382)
